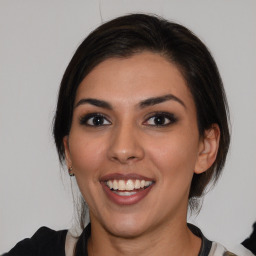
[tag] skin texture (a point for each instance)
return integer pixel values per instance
(129, 141)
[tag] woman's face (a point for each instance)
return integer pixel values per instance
(134, 143)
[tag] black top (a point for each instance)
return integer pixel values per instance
(43, 243)
(47, 242)
(250, 242)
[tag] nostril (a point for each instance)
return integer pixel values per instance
(131, 157)
(123, 159)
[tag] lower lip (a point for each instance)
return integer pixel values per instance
(125, 200)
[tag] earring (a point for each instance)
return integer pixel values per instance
(71, 174)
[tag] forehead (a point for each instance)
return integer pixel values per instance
(135, 78)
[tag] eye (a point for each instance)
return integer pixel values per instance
(94, 119)
(161, 119)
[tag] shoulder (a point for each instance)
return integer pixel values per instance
(210, 248)
(44, 242)
(218, 249)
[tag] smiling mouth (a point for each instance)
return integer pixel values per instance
(127, 187)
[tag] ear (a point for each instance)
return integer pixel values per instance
(67, 152)
(208, 149)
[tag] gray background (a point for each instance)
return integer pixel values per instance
(37, 40)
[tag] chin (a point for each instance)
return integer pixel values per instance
(124, 228)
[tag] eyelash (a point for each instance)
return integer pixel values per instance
(171, 117)
(84, 120)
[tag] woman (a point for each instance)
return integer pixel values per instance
(142, 124)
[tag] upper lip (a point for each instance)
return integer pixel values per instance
(128, 176)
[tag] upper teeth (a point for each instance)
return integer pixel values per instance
(127, 184)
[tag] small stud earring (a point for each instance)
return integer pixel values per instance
(71, 174)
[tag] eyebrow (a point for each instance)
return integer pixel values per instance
(95, 102)
(158, 100)
(143, 104)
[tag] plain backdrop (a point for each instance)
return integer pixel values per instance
(37, 40)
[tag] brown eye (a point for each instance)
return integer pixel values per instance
(94, 120)
(161, 119)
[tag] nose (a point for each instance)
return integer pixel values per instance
(125, 145)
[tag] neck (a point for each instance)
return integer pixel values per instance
(174, 239)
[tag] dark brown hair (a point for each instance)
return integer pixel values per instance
(131, 34)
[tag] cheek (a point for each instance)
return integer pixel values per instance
(86, 154)
(175, 157)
